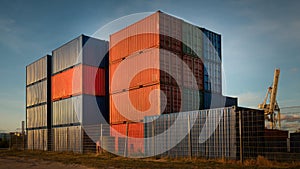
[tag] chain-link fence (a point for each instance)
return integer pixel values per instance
(232, 133)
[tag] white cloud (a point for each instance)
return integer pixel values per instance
(250, 99)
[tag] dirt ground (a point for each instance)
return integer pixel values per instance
(25, 163)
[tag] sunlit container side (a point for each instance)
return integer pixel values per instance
(37, 116)
(121, 110)
(214, 133)
(133, 132)
(140, 35)
(81, 50)
(147, 67)
(156, 30)
(192, 40)
(81, 79)
(86, 110)
(36, 93)
(36, 71)
(67, 139)
(136, 64)
(38, 98)
(67, 111)
(37, 139)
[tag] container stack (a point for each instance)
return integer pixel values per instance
(79, 93)
(38, 109)
(163, 53)
(146, 70)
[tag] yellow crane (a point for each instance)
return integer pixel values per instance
(271, 109)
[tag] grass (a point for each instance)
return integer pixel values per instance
(111, 161)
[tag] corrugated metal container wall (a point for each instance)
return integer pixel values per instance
(170, 68)
(140, 35)
(95, 52)
(69, 83)
(212, 61)
(67, 55)
(134, 64)
(67, 111)
(93, 80)
(95, 112)
(192, 99)
(212, 77)
(132, 131)
(198, 72)
(36, 71)
(83, 49)
(212, 46)
(192, 39)
(30, 141)
(139, 99)
(212, 100)
(36, 93)
(176, 99)
(170, 35)
(230, 101)
(188, 73)
(85, 109)
(37, 116)
(67, 139)
(37, 139)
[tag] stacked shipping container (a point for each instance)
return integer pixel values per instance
(161, 52)
(79, 93)
(38, 111)
(142, 53)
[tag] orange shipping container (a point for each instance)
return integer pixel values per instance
(145, 68)
(156, 30)
(135, 133)
(134, 105)
(81, 79)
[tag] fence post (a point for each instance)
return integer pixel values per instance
(241, 136)
(153, 137)
(189, 137)
(126, 141)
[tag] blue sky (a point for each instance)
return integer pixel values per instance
(257, 37)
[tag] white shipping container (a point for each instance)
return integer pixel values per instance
(82, 49)
(37, 93)
(36, 71)
(37, 116)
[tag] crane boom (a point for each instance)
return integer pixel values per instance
(269, 109)
(274, 91)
